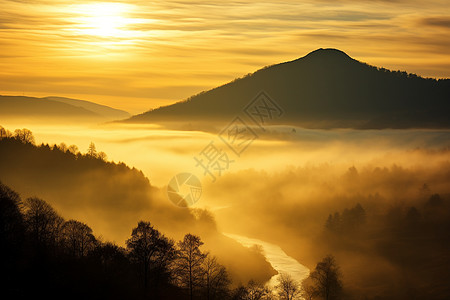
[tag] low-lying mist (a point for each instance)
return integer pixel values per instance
(297, 188)
(161, 153)
(386, 220)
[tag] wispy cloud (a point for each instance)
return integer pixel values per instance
(443, 21)
(168, 49)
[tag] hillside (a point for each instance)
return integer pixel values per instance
(324, 89)
(56, 108)
(112, 198)
(102, 110)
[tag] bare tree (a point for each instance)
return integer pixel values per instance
(188, 265)
(102, 155)
(326, 279)
(73, 149)
(216, 280)
(78, 238)
(257, 291)
(43, 222)
(239, 293)
(308, 291)
(62, 147)
(287, 288)
(5, 133)
(24, 135)
(150, 249)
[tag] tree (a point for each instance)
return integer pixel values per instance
(24, 135)
(412, 217)
(78, 238)
(334, 222)
(92, 151)
(326, 279)
(150, 250)
(11, 224)
(73, 149)
(308, 291)
(240, 293)
(216, 280)
(188, 265)
(3, 133)
(257, 291)
(102, 155)
(62, 147)
(112, 268)
(12, 239)
(435, 200)
(353, 218)
(287, 288)
(43, 222)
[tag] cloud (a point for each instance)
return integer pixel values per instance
(170, 49)
(443, 22)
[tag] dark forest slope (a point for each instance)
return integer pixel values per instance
(324, 89)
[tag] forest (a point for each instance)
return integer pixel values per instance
(46, 255)
(152, 250)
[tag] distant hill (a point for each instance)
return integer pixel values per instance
(102, 110)
(57, 108)
(324, 89)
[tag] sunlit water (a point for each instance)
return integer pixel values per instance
(279, 260)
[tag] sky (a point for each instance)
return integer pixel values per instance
(137, 55)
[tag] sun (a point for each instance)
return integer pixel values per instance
(105, 20)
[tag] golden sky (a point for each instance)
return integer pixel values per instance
(136, 55)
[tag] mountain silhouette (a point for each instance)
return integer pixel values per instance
(56, 108)
(99, 109)
(324, 89)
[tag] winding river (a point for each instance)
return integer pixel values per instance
(279, 260)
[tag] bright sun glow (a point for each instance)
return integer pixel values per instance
(106, 20)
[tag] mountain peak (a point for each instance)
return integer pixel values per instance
(327, 52)
(330, 54)
(325, 57)
(324, 89)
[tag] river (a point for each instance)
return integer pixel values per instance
(279, 260)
